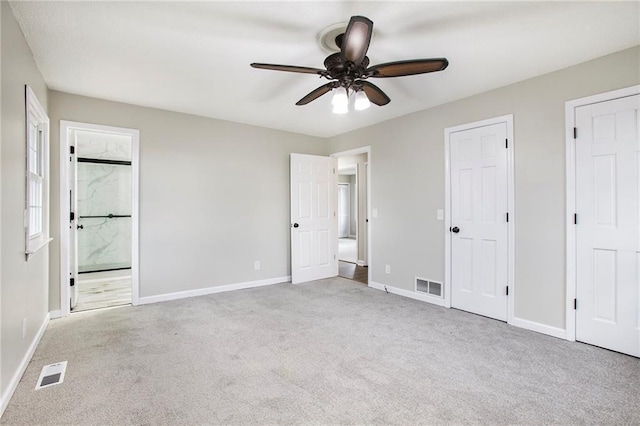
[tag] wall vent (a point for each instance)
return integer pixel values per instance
(432, 288)
(52, 374)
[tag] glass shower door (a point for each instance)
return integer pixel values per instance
(104, 215)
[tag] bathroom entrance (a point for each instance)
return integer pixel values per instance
(101, 192)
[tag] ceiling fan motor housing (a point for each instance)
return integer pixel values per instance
(345, 73)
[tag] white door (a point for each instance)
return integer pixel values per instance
(608, 230)
(479, 205)
(313, 218)
(73, 222)
(344, 218)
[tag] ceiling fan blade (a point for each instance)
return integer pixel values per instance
(315, 94)
(411, 67)
(289, 68)
(356, 39)
(374, 93)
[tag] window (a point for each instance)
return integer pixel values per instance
(37, 175)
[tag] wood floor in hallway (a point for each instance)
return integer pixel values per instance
(353, 272)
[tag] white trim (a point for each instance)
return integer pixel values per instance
(360, 262)
(570, 176)
(540, 328)
(211, 290)
(407, 293)
(13, 383)
(357, 151)
(508, 120)
(516, 322)
(65, 127)
(35, 114)
(55, 314)
(35, 249)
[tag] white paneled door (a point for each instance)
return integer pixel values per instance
(314, 224)
(608, 224)
(479, 231)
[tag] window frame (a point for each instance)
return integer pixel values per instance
(36, 212)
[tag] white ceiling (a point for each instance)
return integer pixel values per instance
(194, 57)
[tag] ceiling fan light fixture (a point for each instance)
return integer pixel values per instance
(340, 108)
(340, 97)
(362, 101)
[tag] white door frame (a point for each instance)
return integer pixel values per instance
(358, 151)
(571, 274)
(508, 119)
(65, 128)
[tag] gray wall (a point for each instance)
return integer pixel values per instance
(23, 290)
(411, 149)
(214, 195)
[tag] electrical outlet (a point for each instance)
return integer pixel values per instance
(24, 328)
(256, 265)
(440, 214)
(387, 269)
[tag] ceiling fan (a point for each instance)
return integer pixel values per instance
(349, 69)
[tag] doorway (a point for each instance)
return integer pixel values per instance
(479, 218)
(99, 178)
(352, 215)
(603, 191)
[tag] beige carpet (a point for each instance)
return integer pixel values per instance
(327, 352)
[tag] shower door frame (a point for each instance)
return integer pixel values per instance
(65, 210)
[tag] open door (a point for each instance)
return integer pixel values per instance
(73, 222)
(314, 223)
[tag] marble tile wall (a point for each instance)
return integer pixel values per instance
(103, 189)
(103, 145)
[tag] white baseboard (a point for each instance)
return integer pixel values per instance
(540, 328)
(211, 290)
(352, 236)
(361, 263)
(55, 314)
(516, 322)
(407, 293)
(13, 384)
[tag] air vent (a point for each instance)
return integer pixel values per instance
(52, 374)
(432, 288)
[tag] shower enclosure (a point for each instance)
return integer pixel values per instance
(103, 231)
(104, 215)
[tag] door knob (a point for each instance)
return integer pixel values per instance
(295, 225)
(455, 229)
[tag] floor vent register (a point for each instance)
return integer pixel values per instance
(52, 374)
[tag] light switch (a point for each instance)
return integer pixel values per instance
(374, 212)
(440, 214)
